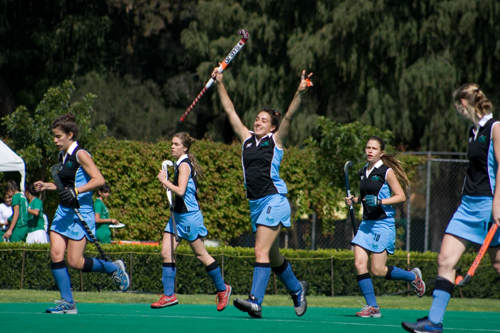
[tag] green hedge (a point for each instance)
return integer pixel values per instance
(139, 200)
(328, 272)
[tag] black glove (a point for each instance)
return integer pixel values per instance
(69, 198)
(372, 201)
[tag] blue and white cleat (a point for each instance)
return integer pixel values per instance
(299, 299)
(63, 307)
(120, 276)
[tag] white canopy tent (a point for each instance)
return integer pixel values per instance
(10, 161)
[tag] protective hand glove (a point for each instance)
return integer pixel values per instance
(372, 201)
(69, 198)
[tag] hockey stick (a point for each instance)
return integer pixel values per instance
(479, 256)
(222, 66)
(60, 187)
(165, 166)
(347, 165)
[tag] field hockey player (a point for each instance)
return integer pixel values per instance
(480, 205)
(189, 224)
(376, 236)
(79, 176)
(262, 152)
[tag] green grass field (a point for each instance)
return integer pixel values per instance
(386, 302)
(114, 312)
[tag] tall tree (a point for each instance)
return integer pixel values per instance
(30, 133)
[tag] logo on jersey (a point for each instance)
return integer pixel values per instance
(249, 145)
(265, 144)
(376, 178)
(69, 164)
(482, 139)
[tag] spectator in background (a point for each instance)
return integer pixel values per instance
(102, 220)
(5, 213)
(36, 222)
(18, 228)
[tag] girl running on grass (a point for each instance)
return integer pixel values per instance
(80, 177)
(376, 236)
(188, 224)
(480, 206)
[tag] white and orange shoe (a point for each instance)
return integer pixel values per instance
(222, 298)
(165, 301)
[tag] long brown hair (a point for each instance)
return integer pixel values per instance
(187, 141)
(392, 162)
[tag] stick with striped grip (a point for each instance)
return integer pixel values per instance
(479, 256)
(222, 66)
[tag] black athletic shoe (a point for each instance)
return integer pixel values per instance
(249, 305)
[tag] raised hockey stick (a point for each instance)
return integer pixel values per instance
(60, 187)
(222, 66)
(347, 165)
(480, 255)
(165, 166)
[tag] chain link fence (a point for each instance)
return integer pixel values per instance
(420, 222)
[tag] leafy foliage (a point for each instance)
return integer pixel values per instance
(387, 64)
(31, 132)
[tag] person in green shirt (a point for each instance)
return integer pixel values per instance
(103, 233)
(36, 223)
(18, 228)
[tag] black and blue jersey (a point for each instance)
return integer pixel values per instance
(374, 183)
(261, 160)
(481, 173)
(73, 175)
(189, 201)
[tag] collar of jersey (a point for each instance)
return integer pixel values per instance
(485, 119)
(70, 150)
(182, 158)
(265, 136)
(376, 166)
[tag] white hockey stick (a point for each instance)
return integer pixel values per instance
(165, 166)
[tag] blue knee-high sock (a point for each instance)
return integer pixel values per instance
(215, 274)
(285, 274)
(440, 297)
(99, 265)
(396, 273)
(365, 283)
(261, 274)
(168, 278)
(61, 275)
